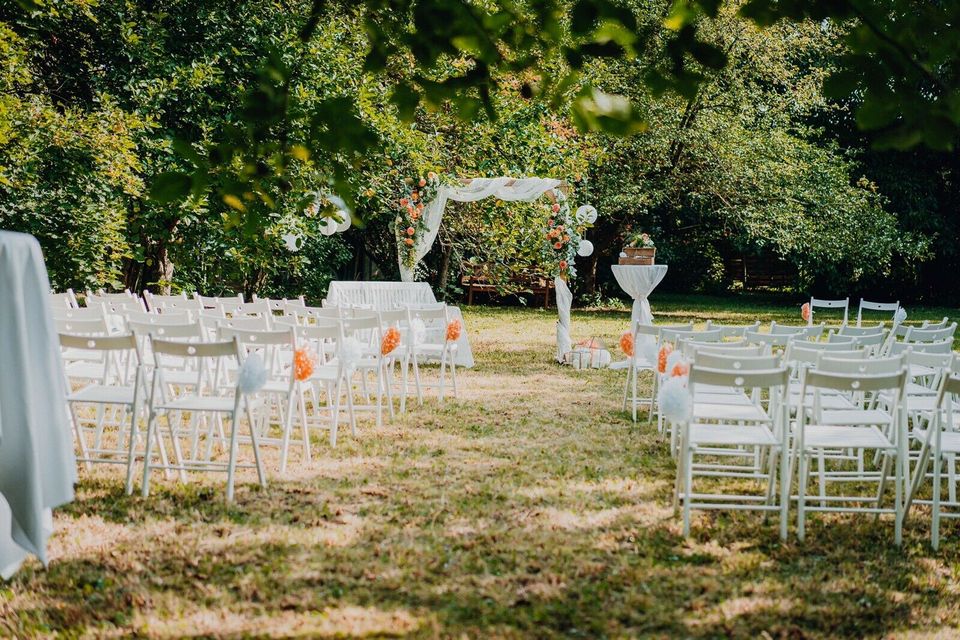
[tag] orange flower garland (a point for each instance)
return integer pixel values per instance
(626, 343)
(453, 331)
(391, 340)
(662, 356)
(304, 360)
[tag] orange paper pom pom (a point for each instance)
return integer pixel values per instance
(805, 311)
(453, 330)
(626, 343)
(680, 369)
(304, 361)
(662, 356)
(391, 340)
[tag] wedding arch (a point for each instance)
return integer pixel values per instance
(421, 212)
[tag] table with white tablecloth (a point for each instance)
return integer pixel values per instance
(394, 295)
(639, 281)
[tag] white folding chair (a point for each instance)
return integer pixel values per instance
(221, 304)
(331, 372)
(888, 307)
(814, 436)
(121, 384)
(65, 300)
(767, 432)
(940, 444)
(820, 303)
(731, 330)
(219, 399)
(429, 328)
(642, 335)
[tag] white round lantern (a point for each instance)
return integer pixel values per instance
(587, 213)
(345, 216)
(328, 226)
(585, 248)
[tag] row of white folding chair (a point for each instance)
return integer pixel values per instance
(64, 300)
(844, 304)
(751, 428)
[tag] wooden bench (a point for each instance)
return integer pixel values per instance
(477, 281)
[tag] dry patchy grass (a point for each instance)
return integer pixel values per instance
(531, 506)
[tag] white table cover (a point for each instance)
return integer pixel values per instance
(37, 464)
(639, 281)
(391, 295)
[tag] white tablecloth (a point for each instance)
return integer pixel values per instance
(392, 295)
(37, 465)
(639, 281)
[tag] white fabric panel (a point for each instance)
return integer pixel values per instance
(564, 302)
(37, 465)
(393, 295)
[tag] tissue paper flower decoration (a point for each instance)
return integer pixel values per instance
(662, 356)
(626, 343)
(350, 353)
(680, 369)
(391, 340)
(304, 360)
(805, 311)
(675, 403)
(252, 376)
(453, 331)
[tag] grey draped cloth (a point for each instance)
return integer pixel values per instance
(37, 463)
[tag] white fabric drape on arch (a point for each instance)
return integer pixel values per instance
(37, 465)
(521, 190)
(509, 190)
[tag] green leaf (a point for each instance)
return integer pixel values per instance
(170, 186)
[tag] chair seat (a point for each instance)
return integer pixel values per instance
(826, 402)
(199, 403)
(921, 371)
(84, 370)
(855, 417)
(949, 440)
(841, 437)
(433, 348)
(325, 373)
(728, 412)
(721, 398)
(731, 435)
(103, 394)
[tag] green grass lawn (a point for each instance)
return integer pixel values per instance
(529, 507)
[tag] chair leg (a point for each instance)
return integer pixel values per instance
(78, 432)
(687, 486)
(822, 476)
(255, 441)
(287, 427)
(232, 462)
(785, 482)
(802, 494)
(416, 380)
(132, 447)
(151, 430)
(935, 507)
(898, 501)
(335, 408)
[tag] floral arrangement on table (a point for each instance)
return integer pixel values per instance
(564, 235)
(639, 248)
(640, 239)
(410, 223)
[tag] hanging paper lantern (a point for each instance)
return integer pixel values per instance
(585, 248)
(328, 226)
(586, 213)
(345, 216)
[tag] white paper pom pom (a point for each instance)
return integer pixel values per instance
(647, 350)
(345, 216)
(328, 226)
(900, 316)
(675, 358)
(676, 406)
(585, 248)
(350, 353)
(291, 241)
(252, 376)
